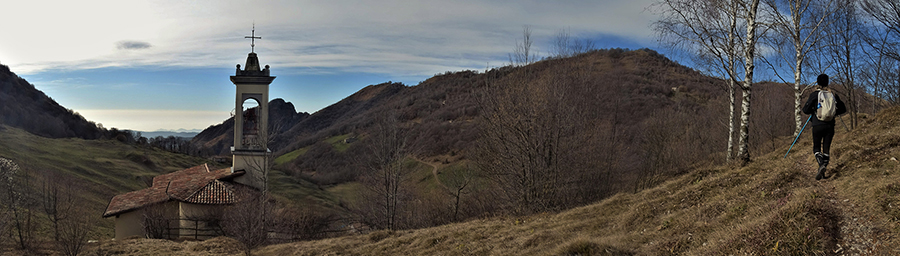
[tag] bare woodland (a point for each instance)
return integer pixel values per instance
(802, 39)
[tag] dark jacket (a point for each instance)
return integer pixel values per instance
(813, 102)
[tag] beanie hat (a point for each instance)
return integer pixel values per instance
(822, 80)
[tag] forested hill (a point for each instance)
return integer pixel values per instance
(653, 107)
(23, 106)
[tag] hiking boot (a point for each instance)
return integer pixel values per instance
(820, 158)
(825, 158)
(821, 173)
(823, 161)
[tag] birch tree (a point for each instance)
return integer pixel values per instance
(797, 32)
(749, 10)
(844, 46)
(711, 31)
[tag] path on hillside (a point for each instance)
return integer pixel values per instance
(434, 172)
(857, 233)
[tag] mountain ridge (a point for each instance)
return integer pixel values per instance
(23, 106)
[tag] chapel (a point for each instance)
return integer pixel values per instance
(190, 203)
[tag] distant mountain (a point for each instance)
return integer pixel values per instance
(183, 134)
(218, 139)
(25, 107)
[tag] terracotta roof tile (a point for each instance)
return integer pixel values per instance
(215, 192)
(196, 185)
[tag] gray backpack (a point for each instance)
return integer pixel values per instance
(826, 107)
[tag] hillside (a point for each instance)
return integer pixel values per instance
(96, 169)
(773, 206)
(632, 118)
(442, 113)
(25, 107)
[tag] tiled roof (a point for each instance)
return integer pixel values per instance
(195, 185)
(215, 192)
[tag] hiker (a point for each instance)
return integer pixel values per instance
(825, 105)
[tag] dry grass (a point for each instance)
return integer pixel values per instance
(771, 207)
(140, 246)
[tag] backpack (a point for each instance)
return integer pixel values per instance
(826, 108)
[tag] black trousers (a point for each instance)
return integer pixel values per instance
(822, 135)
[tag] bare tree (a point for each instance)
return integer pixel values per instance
(459, 184)
(885, 44)
(566, 45)
(523, 54)
(57, 200)
(63, 208)
(8, 168)
(16, 190)
(526, 127)
(303, 224)
(155, 221)
(656, 143)
(73, 232)
(710, 31)
(877, 69)
(248, 221)
(886, 12)
(797, 30)
(386, 172)
(844, 47)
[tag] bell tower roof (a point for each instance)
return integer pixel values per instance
(251, 72)
(252, 63)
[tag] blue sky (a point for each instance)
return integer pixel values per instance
(149, 65)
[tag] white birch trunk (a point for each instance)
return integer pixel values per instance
(798, 98)
(797, 15)
(749, 56)
(731, 103)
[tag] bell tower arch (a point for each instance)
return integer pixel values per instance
(250, 152)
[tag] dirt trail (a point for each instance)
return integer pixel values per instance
(858, 233)
(434, 172)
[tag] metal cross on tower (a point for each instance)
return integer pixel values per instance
(253, 38)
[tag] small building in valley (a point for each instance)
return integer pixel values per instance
(186, 203)
(191, 203)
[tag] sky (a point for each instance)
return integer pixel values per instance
(165, 65)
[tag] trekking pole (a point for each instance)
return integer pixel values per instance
(845, 124)
(798, 136)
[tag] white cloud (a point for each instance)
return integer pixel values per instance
(390, 37)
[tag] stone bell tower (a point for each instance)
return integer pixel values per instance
(250, 152)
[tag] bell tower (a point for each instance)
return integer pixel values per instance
(250, 152)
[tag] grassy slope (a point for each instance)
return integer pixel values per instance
(105, 168)
(773, 206)
(102, 168)
(336, 141)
